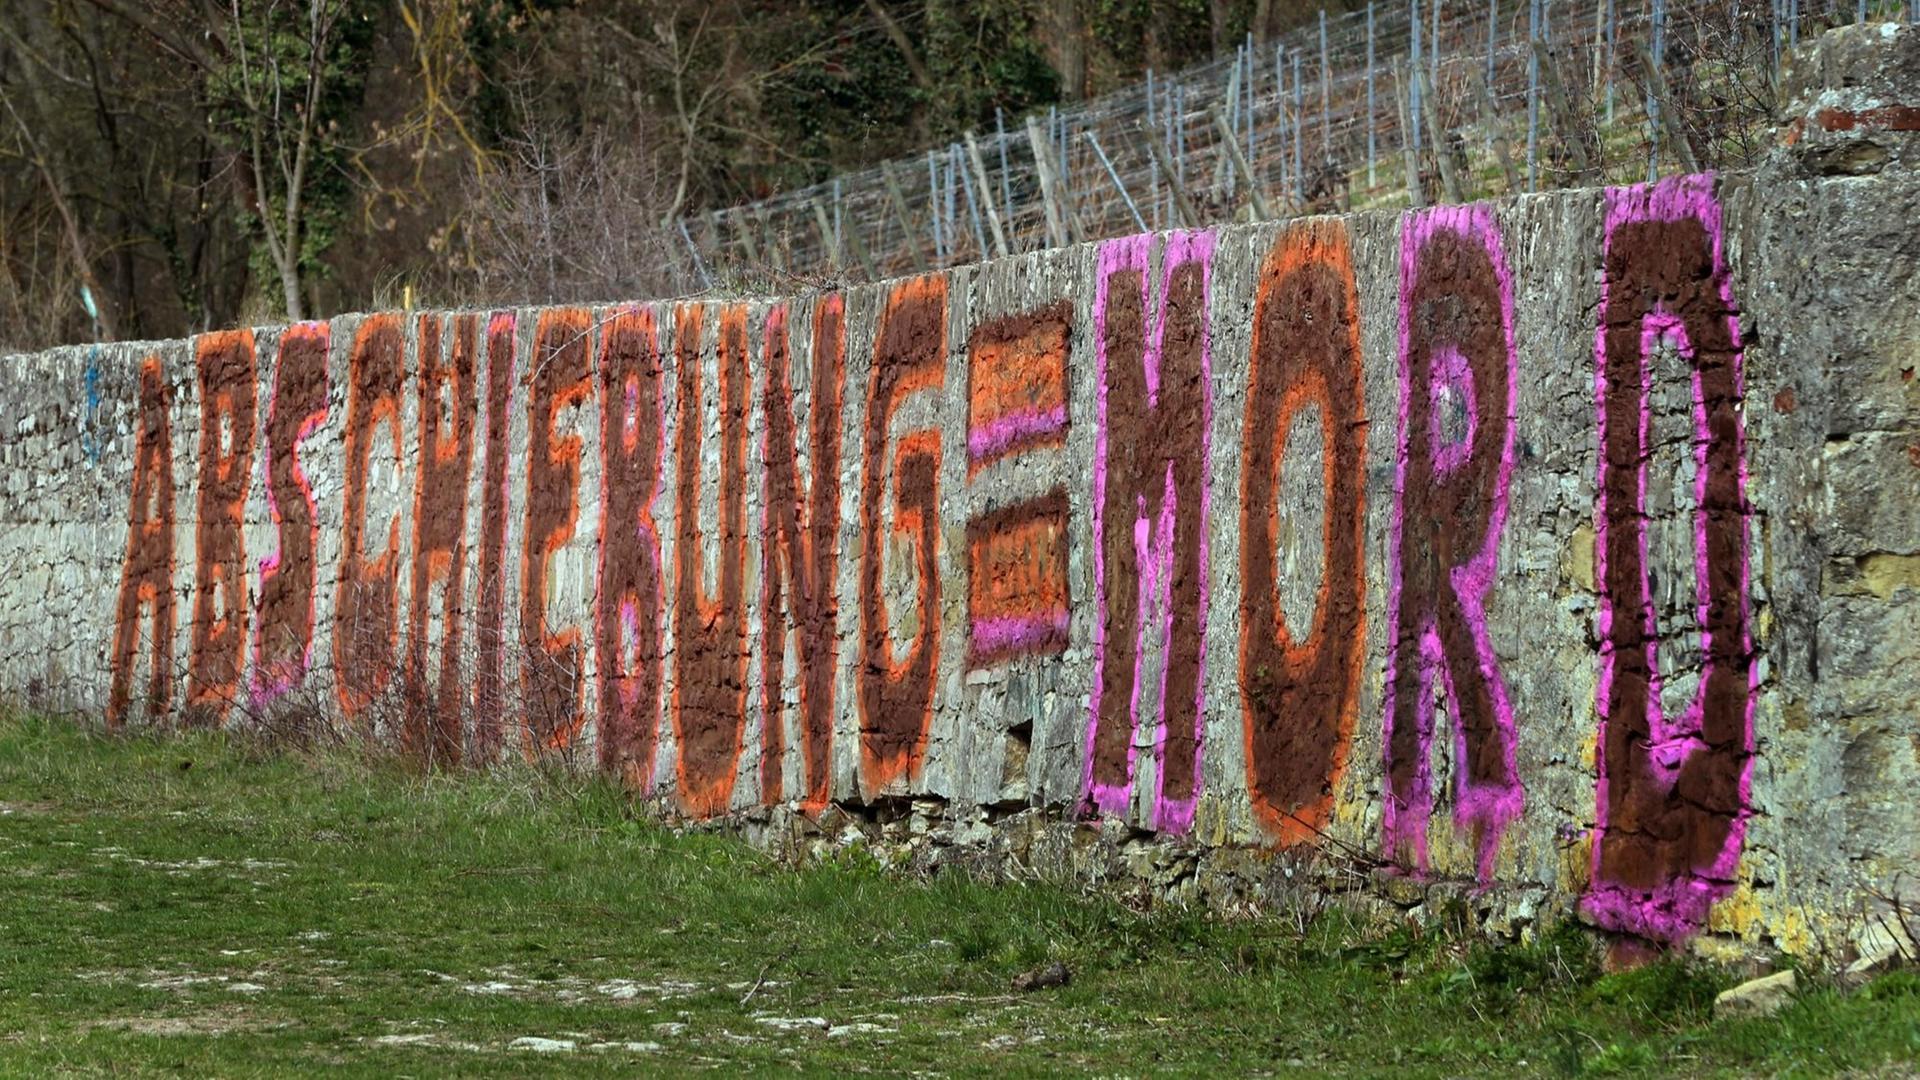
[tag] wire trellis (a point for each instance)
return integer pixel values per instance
(1397, 104)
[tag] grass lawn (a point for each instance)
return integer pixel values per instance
(201, 905)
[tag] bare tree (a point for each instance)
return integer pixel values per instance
(280, 91)
(563, 216)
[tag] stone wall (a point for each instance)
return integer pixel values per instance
(1565, 548)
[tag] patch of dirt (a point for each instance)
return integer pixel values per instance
(217, 1022)
(183, 867)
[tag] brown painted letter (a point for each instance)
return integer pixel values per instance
(1300, 692)
(552, 658)
(489, 683)
(146, 577)
(448, 401)
(367, 602)
(227, 395)
(627, 604)
(800, 550)
(710, 631)
(896, 696)
(283, 631)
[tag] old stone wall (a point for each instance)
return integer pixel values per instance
(1567, 546)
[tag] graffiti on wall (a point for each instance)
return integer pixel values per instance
(1452, 470)
(217, 651)
(896, 692)
(447, 408)
(709, 611)
(638, 633)
(1150, 507)
(552, 655)
(1673, 786)
(490, 656)
(629, 608)
(799, 553)
(296, 407)
(1300, 685)
(1017, 594)
(145, 596)
(367, 602)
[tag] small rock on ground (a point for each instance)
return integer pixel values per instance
(1042, 978)
(1756, 997)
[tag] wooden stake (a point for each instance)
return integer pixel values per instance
(985, 191)
(1502, 146)
(1563, 117)
(1675, 138)
(1189, 218)
(828, 241)
(1442, 153)
(899, 203)
(1042, 147)
(1407, 154)
(1240, 166)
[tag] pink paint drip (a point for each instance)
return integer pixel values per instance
(1153, 542)
(1675, 909)
(1489, 807)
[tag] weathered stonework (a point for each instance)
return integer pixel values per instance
(1551, 557)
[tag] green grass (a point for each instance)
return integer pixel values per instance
(202, 905)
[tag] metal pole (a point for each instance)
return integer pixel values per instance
(1326, 87)
(698, 263)
(1282, 123)
(1493, 26)
(1774, 13)
(1433, 49)
(953, 210)
(1223, 174)
(958, 164)
(1413, 61)
(1153, 163)
(1248, 93)
(1613, 51)
(1299, 109)
(1179, 129)
(1066, 163)
(1372, 126)
(1655, 106)
(1115, 177)
(1406, 143)
(1006, 184)
(1533, 98)
(933, 208)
